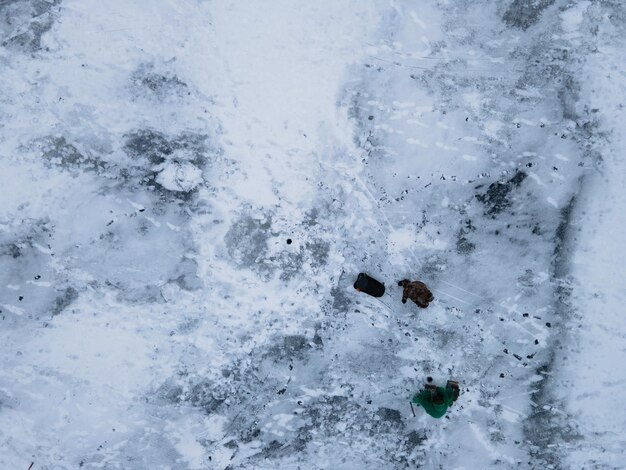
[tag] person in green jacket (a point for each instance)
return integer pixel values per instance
(436, 400)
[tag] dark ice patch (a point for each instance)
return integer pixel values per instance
(246, 243)
(464, 246)
(561, 237)
(340, 300)
(311, 217)
(173, 394)
(11, 249)
(274, 449)
(31, 231)
(545, 65)
(203, 395)
(569, 96)
(57, 151)
(356, 108)
(232, 444)
(198, 147)
(390, 415)
(291, 347)
(188, 326)
(318, 252)
(415, 439)
(330, 410)
(317, 340)
(289, 263)
(562, 258)
(547, 424)
(158, 84)
(24, 22)
(158, 147)
(322, 419)
(523, 14)
(295, 344)
(527, 279)
(496, 199)
(432, 265)
(64, 300)
(5, 399)
(149, 144)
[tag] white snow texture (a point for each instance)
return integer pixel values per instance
(156, 156)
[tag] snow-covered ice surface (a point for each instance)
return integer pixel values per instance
(156, 156)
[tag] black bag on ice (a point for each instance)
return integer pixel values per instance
(369, 285)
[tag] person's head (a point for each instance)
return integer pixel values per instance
(438, 399)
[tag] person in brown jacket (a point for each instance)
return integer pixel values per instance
(417, 292)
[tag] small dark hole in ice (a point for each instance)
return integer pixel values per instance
(289, 241)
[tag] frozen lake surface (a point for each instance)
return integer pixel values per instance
(155, 157)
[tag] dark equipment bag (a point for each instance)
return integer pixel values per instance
(369, 285)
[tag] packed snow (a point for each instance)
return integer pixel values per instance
(190, 189)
